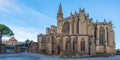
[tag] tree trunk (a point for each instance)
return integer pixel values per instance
(0, 42)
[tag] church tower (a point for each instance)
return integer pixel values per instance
(59, 19)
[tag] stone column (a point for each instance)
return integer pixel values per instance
(76, 36)
(105, 47)
(89, 45)
(70, 45)
(71, 24)
(50, 44)
(97, 40)
(61, 45)
(75, 25)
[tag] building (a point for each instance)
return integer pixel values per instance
(3, 49)
(33, 47)
(11, 41)
(22, 47)
(77, 35)
(17, 49)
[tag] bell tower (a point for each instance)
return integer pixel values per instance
(59, 19)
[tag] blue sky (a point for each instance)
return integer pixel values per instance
(27, 18)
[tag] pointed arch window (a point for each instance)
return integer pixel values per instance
(101, 36)
(48, 39)
(107, 35)
(66, 27)
(74, 44)
(77, 26)
(73, 25)
(52, 38)
(67, 44)
(82, 45)
(95, 34)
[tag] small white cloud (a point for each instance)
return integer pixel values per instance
(4, 10)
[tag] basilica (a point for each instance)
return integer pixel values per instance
(77, 35)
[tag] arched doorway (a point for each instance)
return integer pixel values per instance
(58, 47)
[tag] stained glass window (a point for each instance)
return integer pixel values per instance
(101, 36)
(66, 27)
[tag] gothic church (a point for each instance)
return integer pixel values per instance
(77, 35)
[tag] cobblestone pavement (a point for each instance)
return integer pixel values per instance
(32, 56)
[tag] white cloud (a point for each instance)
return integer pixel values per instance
(4, 10)
(36, 14)
(23, 33)
(28, 15)
(12, 6)
(9, 6)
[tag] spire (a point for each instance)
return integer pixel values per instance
(79, 9)
(110, 21)
(96, 21)
(105, 20)
(83, 9)
(71, 14)
(75, 12)
(60, 9)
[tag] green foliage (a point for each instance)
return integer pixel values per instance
(31, 41)
(6, 30)
(27, 41)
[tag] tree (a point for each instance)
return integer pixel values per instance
(27, 41)
(118, 51)
(4, 30)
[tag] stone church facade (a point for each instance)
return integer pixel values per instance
(77, 35)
